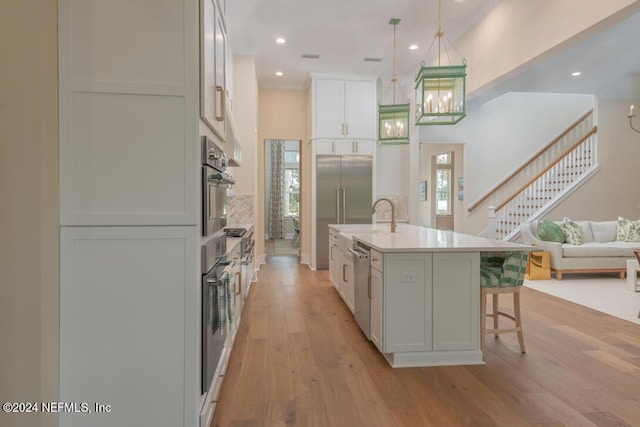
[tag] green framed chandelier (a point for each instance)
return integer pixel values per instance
(393, 119)
(440, 90)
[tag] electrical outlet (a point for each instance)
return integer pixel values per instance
(409, 276)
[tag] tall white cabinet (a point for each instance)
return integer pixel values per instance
(343, 122)
(344, 109)
(129, 182)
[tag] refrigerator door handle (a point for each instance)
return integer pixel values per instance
(344, 205)
(338, 205)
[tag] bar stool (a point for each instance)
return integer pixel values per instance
(501, 273)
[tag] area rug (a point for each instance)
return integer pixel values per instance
(606, 294)
(283, 247)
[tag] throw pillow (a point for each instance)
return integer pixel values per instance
(628, 231)
(572, 232)
(550, 231)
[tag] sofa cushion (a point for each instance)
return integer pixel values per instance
(572, 232)
(604, 231)
(587, 233)
(628, 231)
(599, 250)
(549, 231)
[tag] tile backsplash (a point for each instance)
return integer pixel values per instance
(240, 209)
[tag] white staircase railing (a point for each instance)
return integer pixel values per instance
(555, 181)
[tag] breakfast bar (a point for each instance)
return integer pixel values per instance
(422, 291)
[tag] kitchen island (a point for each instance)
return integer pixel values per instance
(423, 290)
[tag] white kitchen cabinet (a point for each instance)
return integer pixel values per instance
(334, 259)
(213, 79)
(347, 290)
(129, 325)
(377, 261)
(127, 97)
(376, 308)
(339, 146)
(344, 109)
(407, 302)
(129, 132)
(455, 287)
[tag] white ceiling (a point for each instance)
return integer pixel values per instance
(344, 32)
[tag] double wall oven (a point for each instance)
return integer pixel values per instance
(215, 267)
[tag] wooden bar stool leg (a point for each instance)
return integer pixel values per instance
(516, 312)
(483, 318)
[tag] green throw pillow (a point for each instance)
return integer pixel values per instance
(550, 231)
(628, 231)
(572, 232)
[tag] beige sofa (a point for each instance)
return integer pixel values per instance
(600, 251)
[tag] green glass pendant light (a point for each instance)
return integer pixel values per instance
(393, 119)
(440, 90)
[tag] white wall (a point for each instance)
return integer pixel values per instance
(523, 32)
(614, 190)
(501, 134)
(29, 244)
(245, 113)
(611, 192)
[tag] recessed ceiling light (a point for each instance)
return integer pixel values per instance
(280, 40)
(576, 74)
(279, 73)
(413, 47)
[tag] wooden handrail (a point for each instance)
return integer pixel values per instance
(593, 131)
(528, 162)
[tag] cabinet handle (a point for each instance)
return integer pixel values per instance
(346, 126)
(369, 285)
(239, 274)
(344, 274)
(333, 146)
(353, 147)
(220, 90)
(374, 259)
(342, 126)
(357, 148)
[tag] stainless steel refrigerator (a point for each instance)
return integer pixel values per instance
(343, 196)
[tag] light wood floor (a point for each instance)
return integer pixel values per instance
(301, 360)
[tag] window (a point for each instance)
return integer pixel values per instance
(292, 183)
(443, 184)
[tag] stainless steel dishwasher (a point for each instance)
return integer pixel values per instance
(362, 287)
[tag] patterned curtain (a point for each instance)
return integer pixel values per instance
(276, 199)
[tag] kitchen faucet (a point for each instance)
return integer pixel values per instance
(393, 212)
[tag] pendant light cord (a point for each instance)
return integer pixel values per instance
(394, 78)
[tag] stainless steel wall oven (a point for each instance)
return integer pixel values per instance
(215, 182)
(214, 277)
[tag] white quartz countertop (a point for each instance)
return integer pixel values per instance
(414, 238)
